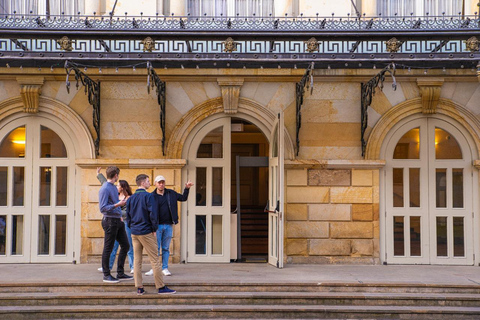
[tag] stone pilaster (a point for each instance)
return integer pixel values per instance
(230, 93)
(30, 89)
(430, 89)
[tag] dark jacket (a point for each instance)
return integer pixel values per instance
(172, 198)
(140, 219)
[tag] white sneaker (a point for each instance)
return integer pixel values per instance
(149, 273)
(166, 272)
(100, 269)
(131, 271)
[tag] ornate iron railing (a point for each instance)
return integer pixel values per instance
(232, 24)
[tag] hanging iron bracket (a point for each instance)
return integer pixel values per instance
(306, 81)
(368, 90)
(92, 90)
(154, 80)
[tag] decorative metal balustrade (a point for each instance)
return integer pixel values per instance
(242, 24)
(190, 42)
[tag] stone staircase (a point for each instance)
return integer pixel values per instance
(240, 301)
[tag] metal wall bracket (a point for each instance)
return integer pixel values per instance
(368, 90)
(92, 90)
(154, 80)
(299, 93)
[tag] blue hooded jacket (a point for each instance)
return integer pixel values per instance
(140, 218)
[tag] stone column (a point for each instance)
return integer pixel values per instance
(230, 93)
(30, 89)
(430, 89)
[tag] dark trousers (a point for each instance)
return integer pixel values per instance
(114, 230)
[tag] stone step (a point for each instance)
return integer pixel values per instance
(240, 298)
(127, 286)
(238, 311)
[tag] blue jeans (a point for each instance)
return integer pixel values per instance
(130, 251)
(164, 236)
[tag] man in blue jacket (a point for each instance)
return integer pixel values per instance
(164, 203)
(143, 224)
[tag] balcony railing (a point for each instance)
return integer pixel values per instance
(238, 24)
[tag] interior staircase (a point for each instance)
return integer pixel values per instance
(229, 300)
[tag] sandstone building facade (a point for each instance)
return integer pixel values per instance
(408, 196)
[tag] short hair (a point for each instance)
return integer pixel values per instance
(112, 171)
(140, 178)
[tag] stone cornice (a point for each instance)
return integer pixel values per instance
(132, 163)
(335, 164)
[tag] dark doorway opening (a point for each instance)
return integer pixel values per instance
(249, 143)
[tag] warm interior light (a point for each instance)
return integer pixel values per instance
(18, 141)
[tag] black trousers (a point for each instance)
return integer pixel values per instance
(114, 230)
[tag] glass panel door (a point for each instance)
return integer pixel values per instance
(275, 198)
(450, 206)
(15, 207)
(52, 197)
(36, 193)
(406, 196)
(208, 225)
(428, 208)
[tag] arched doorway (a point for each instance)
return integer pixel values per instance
(37, 191)
(428, 192)
(209, 230)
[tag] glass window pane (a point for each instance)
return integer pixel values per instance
(3, 185)
(13, 145)
(441, 188)
(458, 237)
(3, 235)
(442, 246)
(17, 235)
(457, 188)
(217, 186)
(414, 177)
(51, 144)
(212, 145)
(200, 234)
(217, 236)
(60, 234)
(415, 237)
(43, 234)
(408, 147)
(45, 185)
(275, 143)
(18, 185)
(201, 187)
(398, 236)
(398, 187)
(446, 147)
(62, 186)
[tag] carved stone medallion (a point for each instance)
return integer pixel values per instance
(148, 44)
(393, 45)
(65, 43)
(312, 45)
(229, 45)
(472, 44)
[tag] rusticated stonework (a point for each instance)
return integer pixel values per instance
(329, 177)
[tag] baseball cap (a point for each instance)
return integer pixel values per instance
(159, 178)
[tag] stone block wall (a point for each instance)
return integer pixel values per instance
(91, 229)
(332, 216)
